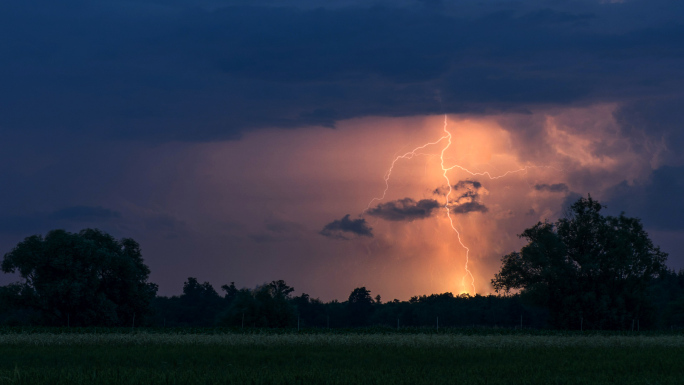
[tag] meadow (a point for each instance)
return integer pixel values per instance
(373, 356)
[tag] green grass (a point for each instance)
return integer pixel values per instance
(339, 359)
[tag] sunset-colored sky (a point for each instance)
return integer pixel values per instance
(250, 142)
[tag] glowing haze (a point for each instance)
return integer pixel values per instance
(267, 197)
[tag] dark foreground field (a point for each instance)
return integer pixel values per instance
(339, 359)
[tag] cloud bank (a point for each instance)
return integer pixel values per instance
(404, 209)
(208, 71)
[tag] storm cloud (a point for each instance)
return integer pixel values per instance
(464, 197)
(464, 200)
(404, 209)
(345, 227)
(654, 201)
(469, 207)
(204, 71)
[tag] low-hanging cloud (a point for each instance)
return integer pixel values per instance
(343, 228)
(470, 187)
(465, 195)
(464, 198)
(404, 209)
(469, 207)
(469, 184)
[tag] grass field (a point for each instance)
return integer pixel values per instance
(339, 358)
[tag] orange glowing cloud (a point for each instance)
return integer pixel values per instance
(524, 165)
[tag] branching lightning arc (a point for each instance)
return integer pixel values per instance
(447, 138)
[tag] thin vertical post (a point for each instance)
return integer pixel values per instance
(437, 323)
(68, 325)
(397, 323)
(243, 319)
(328, 320)
(297, 322)
(632, 324)
(581, 324)
(520, 321)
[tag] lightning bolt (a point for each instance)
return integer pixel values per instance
(415, 152)
(408, 155)
(448, 210)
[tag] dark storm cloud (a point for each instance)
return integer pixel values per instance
(196, 70)
(343, 228)
(469, 185)
(467, 193)
(554, 188)
(463, 189)
(469, 207)
(661, 118)
(658, 202)
(404, 209)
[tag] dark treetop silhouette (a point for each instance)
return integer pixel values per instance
(586, 269)
(88, 278)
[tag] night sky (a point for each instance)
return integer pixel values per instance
(248, 141)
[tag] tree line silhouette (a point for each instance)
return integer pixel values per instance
(585, 271)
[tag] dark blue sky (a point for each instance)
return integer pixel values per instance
(105, 106)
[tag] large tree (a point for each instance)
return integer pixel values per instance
(85, 278)
(587, 269)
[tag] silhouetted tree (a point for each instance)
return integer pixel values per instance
(200, 303)
(266, 306)
(311, 311)
(359, 306)
(231, 292)
(667, 295)
(585, 268)
(280, 289)
(88, 278)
